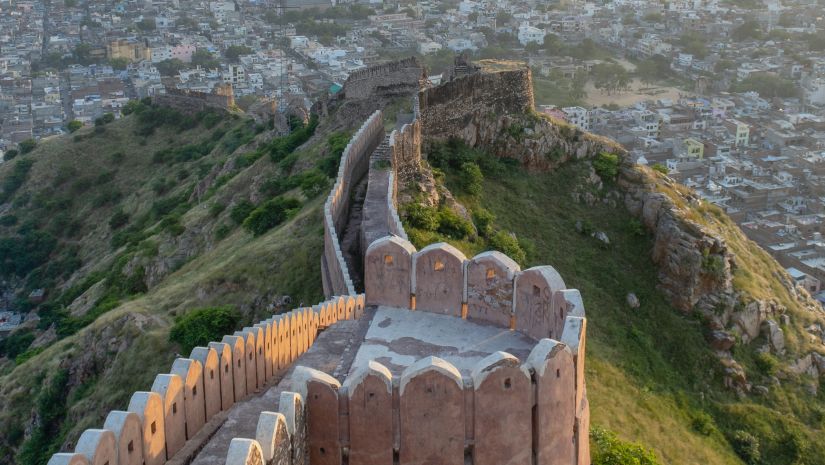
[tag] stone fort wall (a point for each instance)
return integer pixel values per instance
(157, 423)
(400, 77)
(190, 101)
(506, 411)
(354, 164)
(446, 110)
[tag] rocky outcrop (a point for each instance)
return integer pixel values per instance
(695, 266)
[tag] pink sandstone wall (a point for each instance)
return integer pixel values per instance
(159, 422)
(354, 164)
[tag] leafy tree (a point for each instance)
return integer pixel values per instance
(74, 125)
(507, 244)
(27, 146)
(204, 59)
(747, 447)
(694, 44)
(119, 63)
(146, 24)
(553, 45)
(83, 54)
(767, 85)
(270, 214)
(170, 67)
(199, 326)
(241, 210)
(503, 17)
(10, 154)
(748, 30)
(610, 77)
(233, 52)
(653, 69)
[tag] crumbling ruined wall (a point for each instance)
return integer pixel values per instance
(448, 109)
(190, 101)
(399, 78)
(353, 166)
(158, 424)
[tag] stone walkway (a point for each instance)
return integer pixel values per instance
(332, 353)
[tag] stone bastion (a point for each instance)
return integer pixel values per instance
(444, 359)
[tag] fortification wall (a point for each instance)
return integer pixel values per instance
(190, 102)
(157, 423)
(446, 110)
(401, 77)
(506, 411)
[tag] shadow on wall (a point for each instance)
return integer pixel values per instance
(157, 423)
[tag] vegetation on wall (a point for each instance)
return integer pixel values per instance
(200, 326)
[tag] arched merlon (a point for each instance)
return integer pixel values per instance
(128, 433)
(388, 271)
(98, 445)
(533, 302)
(170, 389)
(191, 373)
(438, 279)
(149, 407)
(211, 378)
(488, 288)
(244, 452)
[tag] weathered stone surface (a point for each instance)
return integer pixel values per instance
(552, 363)
(191, 372)
(227, 373)
(775, 336)
(291, 406)
(272, 435)
(721, 340)
(321, 393)
(244, 452)
(370, 415)
(502, 412)
(535, 314)
(431, 414)
(211, 379)
(98, 445)
(239, 377)
(68, 458)
(170, 388)
(126, 428)
(489, 287)
(574, 337)
(439, 279)
(388, 272)
(149, 407)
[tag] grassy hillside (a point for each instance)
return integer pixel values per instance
(651, 375)
(130, 225)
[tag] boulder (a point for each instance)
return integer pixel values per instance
(633, 301)
(775, 336)
(761, 390)
(721, 340)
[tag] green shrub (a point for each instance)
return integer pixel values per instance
(270, 214)
(313, 182)
(766, 363)
(27, 146)
(200, 326)
(658, 167)
(222, 231)
(703, 424)
(118, 219)
(452, 225)
(47, 435)
(607, 449)
(507, 244)
(484, 220)
(16, 343)
(635, 227)
(216, 208)
(16, 178)
(471, 178)
(713, 264)
(421, 216)
(10, 154)
(241, 211)
(746, 446)
(606, 166)
(74, 125)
